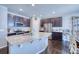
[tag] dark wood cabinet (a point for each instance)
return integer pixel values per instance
(42, 23)
(52, 21)
(17, 21)
(27, 22)
(57, 35)
(56, 22)
(22, 22)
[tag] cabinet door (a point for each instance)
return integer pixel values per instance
(60, 21)
(3, 26)
(46, 21)
(10, 20)
(24, 21)
(28, 22)
(42, 22)
(56, 22)
(52, 21)
(18, 21)
(56, 35)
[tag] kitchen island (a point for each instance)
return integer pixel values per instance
(24, 44)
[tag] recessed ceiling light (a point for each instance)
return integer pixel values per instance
(40, 15)
(53, 12)
(20, 9)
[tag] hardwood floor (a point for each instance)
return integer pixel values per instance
(4, 50)
(58, 47)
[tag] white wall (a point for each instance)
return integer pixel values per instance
(3, 26)
(66, 22)
(66, 26)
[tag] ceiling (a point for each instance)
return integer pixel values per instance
(43, 10)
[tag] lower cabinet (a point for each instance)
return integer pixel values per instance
(34, 47)
(57, 35)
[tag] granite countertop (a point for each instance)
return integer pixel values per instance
(19, 39)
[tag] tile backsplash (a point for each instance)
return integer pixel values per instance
(13, 29)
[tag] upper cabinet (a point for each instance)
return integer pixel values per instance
(42, 23)
(56, 22)
(17, 21)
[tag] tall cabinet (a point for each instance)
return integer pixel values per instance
(3, 29)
